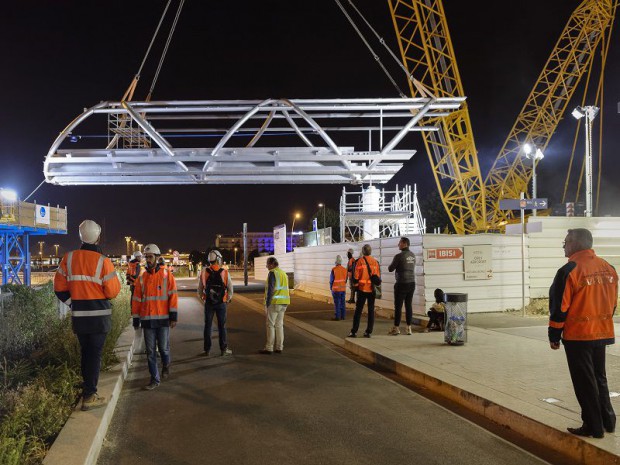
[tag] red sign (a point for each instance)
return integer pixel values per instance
(445, 254)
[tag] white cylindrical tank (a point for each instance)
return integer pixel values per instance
(370, 203)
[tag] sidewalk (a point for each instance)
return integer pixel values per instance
(505, 372)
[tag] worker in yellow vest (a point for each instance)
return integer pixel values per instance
(338, 286)
(277, 298)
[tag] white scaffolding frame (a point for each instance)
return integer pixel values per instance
(139, 135)
(398, 214)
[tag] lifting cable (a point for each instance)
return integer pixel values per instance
(418, 85)
(163, 55)
(375, 56)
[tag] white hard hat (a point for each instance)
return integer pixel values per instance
(351, 251)
(215, 256)
(137, 254)
(89, 232)
(151, 248)
(338, 260)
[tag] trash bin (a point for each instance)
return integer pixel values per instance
(455, 325)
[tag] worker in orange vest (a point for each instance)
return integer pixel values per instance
(155, 307)
(86, 281)
(367, 270)
(134, 269)
(350, 271)
(338, 286)
(582, 303)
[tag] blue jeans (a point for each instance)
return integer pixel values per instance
(161, 338)
(219, 311)
(339, 306)
(91, 348)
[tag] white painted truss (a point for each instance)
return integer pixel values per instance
(248, 142)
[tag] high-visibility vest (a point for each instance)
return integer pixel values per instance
(361, 272)
(281, 295)
(340, 279)
(133, 271)
(351, 270)
(89, 280)
(155, 298)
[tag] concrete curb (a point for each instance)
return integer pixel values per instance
(81, 439)
(563, 443)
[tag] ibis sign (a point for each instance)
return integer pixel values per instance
(445, 253)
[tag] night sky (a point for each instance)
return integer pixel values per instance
(62, 56)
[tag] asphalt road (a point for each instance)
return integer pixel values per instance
(309, 405)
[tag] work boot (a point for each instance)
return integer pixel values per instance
(165, 372)
(152, 385)
(226, 352)
(93, 401)
(395, 331)
(409, 332)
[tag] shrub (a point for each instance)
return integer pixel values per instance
(39, 370)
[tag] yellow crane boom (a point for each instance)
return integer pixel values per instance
(427, 53)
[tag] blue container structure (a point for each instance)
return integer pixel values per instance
(17, 224)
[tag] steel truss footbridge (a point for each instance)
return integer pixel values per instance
(234, 141)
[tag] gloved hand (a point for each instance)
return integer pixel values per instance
(136, 323)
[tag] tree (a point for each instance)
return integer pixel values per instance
(332, 219)
(435, 213)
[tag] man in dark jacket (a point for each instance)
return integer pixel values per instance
(404, 265)
(582, 302)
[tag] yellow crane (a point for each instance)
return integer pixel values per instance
(427, 54)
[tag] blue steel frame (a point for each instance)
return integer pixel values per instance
(15, 251)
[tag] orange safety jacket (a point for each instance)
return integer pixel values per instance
(582, 300)
(339, 282)
(133, 271)
(204, 276)
(361, 272)
(155, 298)
(86, 281)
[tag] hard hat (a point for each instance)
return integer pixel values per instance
(338, 260)
(215, 256)
(350, 251)
(151, 248)
(137, 254)
(89, 232)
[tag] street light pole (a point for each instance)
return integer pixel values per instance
(589, 113)
(128, 240)
(56, 247)
(535, 155)
(297, 215)
(235, 256)
(133, 246)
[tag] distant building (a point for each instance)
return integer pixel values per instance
(261, 241)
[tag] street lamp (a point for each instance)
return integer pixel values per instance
(322, 205)
(589, 112)
(534, 154)
(133, 246)
(297, 216)
(128, 240)
(140, 247)
(235, 256)
(56, 247)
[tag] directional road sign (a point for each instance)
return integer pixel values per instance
(526, 204)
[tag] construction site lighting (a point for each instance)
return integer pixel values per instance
(527, 148)
(578, 113)
(8, 194)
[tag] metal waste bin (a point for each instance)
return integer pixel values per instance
(455, 325)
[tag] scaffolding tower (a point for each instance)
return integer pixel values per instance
(373, 214)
